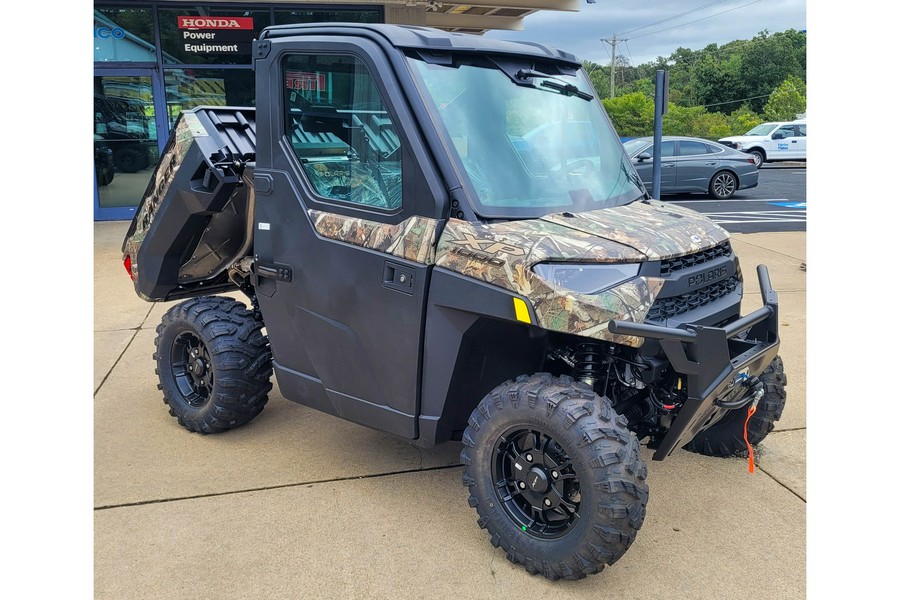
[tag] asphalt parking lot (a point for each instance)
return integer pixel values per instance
(298, 504)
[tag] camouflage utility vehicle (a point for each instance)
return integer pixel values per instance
(440, 236)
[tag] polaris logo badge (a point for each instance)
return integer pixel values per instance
(707, 277)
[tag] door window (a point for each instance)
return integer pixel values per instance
(341, 132)
(786, 131)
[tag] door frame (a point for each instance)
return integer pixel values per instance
(125, 213)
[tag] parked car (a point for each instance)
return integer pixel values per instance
(693, 165)
(769, 142)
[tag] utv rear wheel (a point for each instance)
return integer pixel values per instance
(554, 475)
(213, 363)
(726, 438)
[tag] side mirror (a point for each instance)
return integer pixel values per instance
(778, 135)
(644, 156)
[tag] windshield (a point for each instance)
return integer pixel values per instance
(533, 149)
(763, 129)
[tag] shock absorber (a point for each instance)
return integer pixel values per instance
(589, 362)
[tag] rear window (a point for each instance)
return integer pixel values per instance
(689, 148)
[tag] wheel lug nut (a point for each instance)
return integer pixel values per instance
(554, 474)
(202, 382)
(528, 457)
(522, 485)
(547, 502)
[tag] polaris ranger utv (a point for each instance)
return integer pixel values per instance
(440, 236)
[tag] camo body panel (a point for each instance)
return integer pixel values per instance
(186, 129)
(658, 230)
(412, 239)
(503, 254)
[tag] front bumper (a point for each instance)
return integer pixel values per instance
(713, 360)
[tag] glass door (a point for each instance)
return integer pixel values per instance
(126, 145)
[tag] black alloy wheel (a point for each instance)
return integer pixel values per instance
(192, 368)
(536, 483)
(214, 364)
(555, 475)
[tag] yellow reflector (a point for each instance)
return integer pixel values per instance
(521, 310)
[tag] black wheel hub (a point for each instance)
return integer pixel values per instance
(192, 368)
(535, 483)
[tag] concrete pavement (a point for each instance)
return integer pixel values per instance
(299, 504)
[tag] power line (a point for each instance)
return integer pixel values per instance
(696, 20)
(676, 16)
(733, 101)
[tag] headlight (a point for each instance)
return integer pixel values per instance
(737, 145)
(585, 279)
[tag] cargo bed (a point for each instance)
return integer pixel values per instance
(195, 220)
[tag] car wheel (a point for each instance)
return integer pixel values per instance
(723, 185)
(758, 157)
(555, 476)
(213, 363)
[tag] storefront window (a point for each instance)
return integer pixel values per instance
(125, 140)
(189, 88)
(123, 34)
(286, 17)
(222, 36)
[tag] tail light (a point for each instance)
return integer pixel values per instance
(128, 266)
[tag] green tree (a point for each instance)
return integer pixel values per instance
(768, 61)
(787, 101)
(631, 114)
(599, 76)
(743, 120)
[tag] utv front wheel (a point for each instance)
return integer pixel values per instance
(213, 363)
(726, 438)
(554, 475)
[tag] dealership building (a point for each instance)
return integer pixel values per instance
(153, 60)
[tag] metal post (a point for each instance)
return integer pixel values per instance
(660, 108)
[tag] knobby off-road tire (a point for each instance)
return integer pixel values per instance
(571, 450)
(214, 364)
(726, 438)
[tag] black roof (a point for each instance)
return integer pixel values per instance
(422, 38)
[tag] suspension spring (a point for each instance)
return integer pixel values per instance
(589, 362)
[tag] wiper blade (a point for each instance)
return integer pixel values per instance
(567, 89)
(554, 83)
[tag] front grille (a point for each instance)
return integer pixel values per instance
(666, 308)
(683, 262)
(729, 144)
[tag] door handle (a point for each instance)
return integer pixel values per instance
(397, 277)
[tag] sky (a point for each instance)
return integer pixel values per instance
(655, 28)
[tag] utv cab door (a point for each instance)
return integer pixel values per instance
(345, 231)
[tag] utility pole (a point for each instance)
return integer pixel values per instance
(612, 64)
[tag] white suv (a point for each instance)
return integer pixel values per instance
(772, 141)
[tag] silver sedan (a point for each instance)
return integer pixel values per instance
(693, 165)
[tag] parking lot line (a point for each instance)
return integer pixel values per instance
(730, 200)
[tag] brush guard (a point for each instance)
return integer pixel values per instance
(719, 364)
